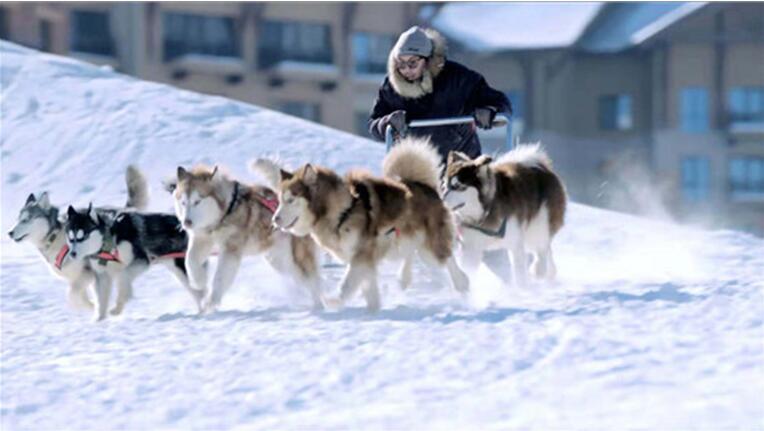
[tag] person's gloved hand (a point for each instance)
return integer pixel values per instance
(484, 117)
(396, 119)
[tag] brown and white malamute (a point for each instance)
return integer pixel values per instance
(515, 203)
(361, 218)
(235, 218)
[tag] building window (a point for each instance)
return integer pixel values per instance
(198, 34)
(517, 99)
(296, 41)
(696, 178)
(694, 110)
(615, 112)
(746, 175)
(370, 52)
(46, 36)
(308, 111)
(91, 33)
(3, 23)
(746, 105)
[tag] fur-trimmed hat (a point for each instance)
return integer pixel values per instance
(435, 62)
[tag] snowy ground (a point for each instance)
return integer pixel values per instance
(650, 325)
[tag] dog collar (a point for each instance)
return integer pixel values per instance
(234, 199)
(495, 234)
(61, 256)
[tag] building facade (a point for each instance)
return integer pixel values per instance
(320, 61)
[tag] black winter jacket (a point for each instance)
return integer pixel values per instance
(456, 91)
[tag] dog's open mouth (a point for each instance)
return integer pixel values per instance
(457, 206)
(21, 238)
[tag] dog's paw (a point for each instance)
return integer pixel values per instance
(209, 305)
(333, 303)
(116, 311)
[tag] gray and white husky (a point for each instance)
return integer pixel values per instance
(39, 224)
(122, 246)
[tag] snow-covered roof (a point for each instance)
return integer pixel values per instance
(488, 27)
(623, 25)
(592, 26)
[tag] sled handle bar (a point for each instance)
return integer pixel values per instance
(501, 119)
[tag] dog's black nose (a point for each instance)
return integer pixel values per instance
(73, 253)
(187, 223)
(10, 234)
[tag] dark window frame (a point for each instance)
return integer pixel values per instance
(608, 112)
(378, 45)
(283, 40)
(98, 40)
(187, 34)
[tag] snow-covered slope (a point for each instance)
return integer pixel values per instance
(650, 325)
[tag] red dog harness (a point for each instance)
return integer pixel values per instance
(61, 255)
(271, 203)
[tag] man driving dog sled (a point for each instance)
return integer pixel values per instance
(422, 84)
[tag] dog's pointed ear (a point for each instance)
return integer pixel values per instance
(456, 157)
(285, 175)
(92, 213)
(182, 173)
(309, 174)
(44, 200)
(214, 171)
(70, 212)
(30, 199)
(483, 160)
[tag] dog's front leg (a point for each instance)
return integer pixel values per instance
(351, 281)
(228, 265)
(199, 249)
(102, 291)
(78, 290)
(519, 263)
(125, 286)
(404, 273)
(371, 290)
(458, 278)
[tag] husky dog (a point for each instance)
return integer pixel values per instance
(38, 222)
(361, 219)
(122, 246)
(515, 203)
(234, 218)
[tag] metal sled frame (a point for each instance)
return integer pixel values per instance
(500, 120)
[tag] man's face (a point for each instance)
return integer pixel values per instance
(411, 66)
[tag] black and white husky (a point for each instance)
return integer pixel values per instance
(39, 223)
(122, 246)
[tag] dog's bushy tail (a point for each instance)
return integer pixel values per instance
(413, 159)
(269, 169)
(137, 189)
(528, 155)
